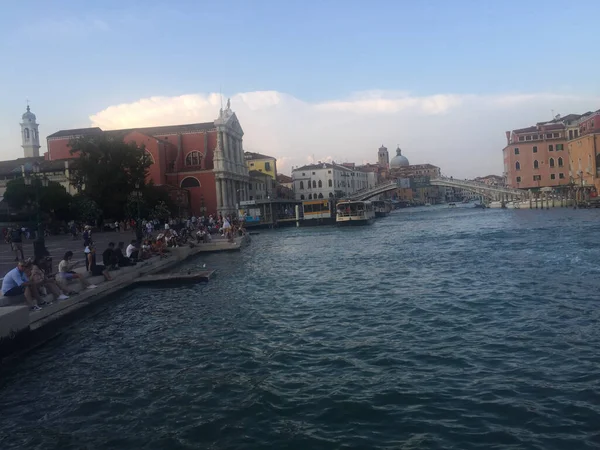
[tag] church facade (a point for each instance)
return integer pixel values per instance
(203, 160)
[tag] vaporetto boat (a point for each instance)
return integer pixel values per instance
(354, 213)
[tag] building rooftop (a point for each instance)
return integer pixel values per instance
(77, 132)
(14, 166)
(281, 178)
(322, 166)
(165, 129)
(253, 155)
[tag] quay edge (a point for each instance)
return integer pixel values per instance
(22, 331)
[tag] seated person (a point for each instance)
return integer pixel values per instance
(43, 284)
(16, 283)
(132, 251)
(122, 260)
(66, 273)
(109, 258)
(96, 269)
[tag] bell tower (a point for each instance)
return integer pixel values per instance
(30, 136)
(383, 158)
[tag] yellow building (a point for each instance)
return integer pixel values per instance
(583, 160)
(261, 163)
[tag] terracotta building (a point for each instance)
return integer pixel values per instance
(537, 156)
(584, 159)
(205, 161)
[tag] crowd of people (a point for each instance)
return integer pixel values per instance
(34, 278)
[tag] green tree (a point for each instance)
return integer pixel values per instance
(107, 171)
(85, 209)
(54, 199)
(154, 203)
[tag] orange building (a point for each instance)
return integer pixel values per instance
(584, 160)
(206, 160)
(536, 156)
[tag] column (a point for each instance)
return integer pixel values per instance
(219, 195)
(231, 194)
(226, 154)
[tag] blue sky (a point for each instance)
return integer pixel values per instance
(73, 59)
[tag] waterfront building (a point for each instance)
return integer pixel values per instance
(584, 156)
(327, 180)
(536, 156)
(204, 160)
(261, 163)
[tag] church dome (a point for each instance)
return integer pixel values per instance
(28, 116)
(399, 160)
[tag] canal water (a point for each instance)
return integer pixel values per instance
(434, 328)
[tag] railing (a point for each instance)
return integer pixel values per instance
(342, 213)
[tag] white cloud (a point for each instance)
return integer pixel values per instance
(463, 134)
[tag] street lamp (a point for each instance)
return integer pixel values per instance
(35, 179)
(138, 222)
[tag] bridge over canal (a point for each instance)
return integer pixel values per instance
(485, 190)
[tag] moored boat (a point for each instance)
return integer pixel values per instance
(355, 213)
(381, 208)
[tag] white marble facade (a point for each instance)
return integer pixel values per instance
(231, 173)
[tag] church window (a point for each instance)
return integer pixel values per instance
(190, 182)
(26, 133)
(193, 159)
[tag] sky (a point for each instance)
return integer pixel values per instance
(309, 80)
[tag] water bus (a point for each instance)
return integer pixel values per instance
(381, 207)
(317, 212)
(354, 213)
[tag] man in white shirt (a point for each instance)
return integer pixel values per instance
(17, 283)
(132, 251)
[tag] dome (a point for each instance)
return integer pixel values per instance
(399, 160)
(28, 116)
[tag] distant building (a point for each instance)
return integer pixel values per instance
(285, 181)
(261, 163)
(383, 157)
(203, 160)
(30, 135)
(327, 180)
(491, 180)
(414, 179)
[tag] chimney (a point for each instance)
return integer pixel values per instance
(507, 137)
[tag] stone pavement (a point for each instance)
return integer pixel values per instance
(58, 245)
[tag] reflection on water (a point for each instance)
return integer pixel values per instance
(433, 328)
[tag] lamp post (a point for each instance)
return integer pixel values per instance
(37, 180)
(138, 222)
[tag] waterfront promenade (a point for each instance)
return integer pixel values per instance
(22, 329)
(57, 245)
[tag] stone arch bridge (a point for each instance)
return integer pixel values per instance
(490, 192)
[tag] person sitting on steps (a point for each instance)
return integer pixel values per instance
(66, 273)
(43, 284)
(17, 283)
(109, 258)
(96, 269)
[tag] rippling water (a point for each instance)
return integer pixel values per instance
(433, 328)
